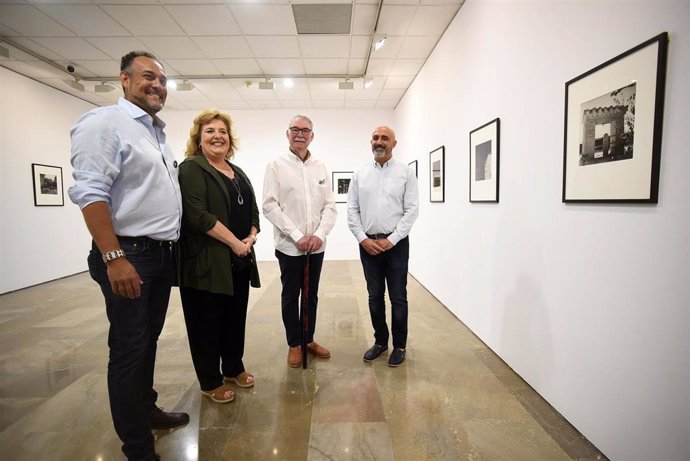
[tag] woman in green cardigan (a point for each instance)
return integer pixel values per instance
(216, 261)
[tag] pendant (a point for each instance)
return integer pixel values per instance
(240, 200)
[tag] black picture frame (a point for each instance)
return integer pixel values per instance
(437, 175)
(47, 181)
(341, 185)
(484, 156)
(613, 123)
(413, 164)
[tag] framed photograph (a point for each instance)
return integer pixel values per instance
(413, 165)
(47, 185)
(341, 185)
(437, 174)
(613, 121)
(484, 162)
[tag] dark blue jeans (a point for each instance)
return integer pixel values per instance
(135, 325)
(389, 267)
(292, 278)
(216, 329)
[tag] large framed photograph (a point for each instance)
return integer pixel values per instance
(47, 185)
(341, 185)
(484, 162)
(437, 174)
(413, 165)
(613, 121)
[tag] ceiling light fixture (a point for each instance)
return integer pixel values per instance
(368, 82)
(185, 86)
(103, 88)
(379, 43)
(4, 52)
(171, 85)
(75, 84)
(288, 83)
(346, 85)
(267, 85)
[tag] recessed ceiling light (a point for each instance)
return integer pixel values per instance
(288, 83)
(368, 82)
(379, 43)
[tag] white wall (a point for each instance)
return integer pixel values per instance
(37, 244)
(588, 303)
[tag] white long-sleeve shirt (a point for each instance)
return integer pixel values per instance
(298, 201)
(383, 200)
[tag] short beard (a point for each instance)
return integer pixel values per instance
(380, 152)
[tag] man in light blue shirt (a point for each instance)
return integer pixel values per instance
(126, 186)
(382, 205)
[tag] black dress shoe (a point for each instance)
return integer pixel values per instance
(396, 358)
(374, 352)
(162, 420)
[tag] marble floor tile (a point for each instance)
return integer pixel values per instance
(453, 399)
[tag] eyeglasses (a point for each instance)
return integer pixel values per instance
(295, 130)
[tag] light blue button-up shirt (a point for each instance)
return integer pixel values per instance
(383, 200)
(120, 157)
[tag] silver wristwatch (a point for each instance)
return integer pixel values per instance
(112, 255)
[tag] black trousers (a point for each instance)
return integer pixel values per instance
(215, 330)
(388, 268)
(292, 278)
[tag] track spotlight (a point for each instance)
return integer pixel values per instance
(368, 82)
(75, 84)
(103, 88)
(379, 43)
(185, 86)
(346, 85)
(267, 85)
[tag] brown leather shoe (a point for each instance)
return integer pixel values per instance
(295, 357)
(317, 350)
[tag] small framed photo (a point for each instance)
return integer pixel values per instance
(484, 162)
(47, 185)
(413, 165)
(341, 185)
(613, 122)
(437, 174)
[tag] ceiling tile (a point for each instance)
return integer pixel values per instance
(356, 66)
(379, 66)
(34, 69)
(392, 94)
(172, 47)
(282, 66)
(432, 20)
(205, 19)
(417, 47)
(332, 93)
(284, 94)
(190, 67)
(387, 103)
(265, 19)
(360, 94)
(34, 47)
(359, 46)
(274, 46)
(297, 104)
(230, 104)
(237, 66)
(222, 46)
(406, 67)
(110, 68)
(364, 18)
(263, 105)
(326, 66)
(395, 19)
(397, 83)
(144, 19)
(390, 49)
(328, 104)
(85, 20)
(72, 48)
(360, 104)
(29, 21)
(116, 47)
(324, 46)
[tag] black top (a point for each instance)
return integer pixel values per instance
(241, 216)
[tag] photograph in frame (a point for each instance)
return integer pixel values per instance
(413, 165)
(613, 124)
(437, 174)
(47, 182)
(484, 162)
(341, 185)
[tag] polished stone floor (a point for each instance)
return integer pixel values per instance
(453, 399)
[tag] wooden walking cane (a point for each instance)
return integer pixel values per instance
(304, 311)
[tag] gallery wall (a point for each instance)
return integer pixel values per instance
(588, 303)
(38, 244)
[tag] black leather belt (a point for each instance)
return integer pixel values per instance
(378, 236)
(144, 242)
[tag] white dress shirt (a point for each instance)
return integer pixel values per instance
(298, 201)
(383, 200)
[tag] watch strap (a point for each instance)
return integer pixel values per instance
(112, 255)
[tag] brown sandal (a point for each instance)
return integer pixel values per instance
(222, 394)
(244, 379)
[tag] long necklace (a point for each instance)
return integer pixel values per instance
(234, 182)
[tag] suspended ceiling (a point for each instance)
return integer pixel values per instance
(225, 49)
